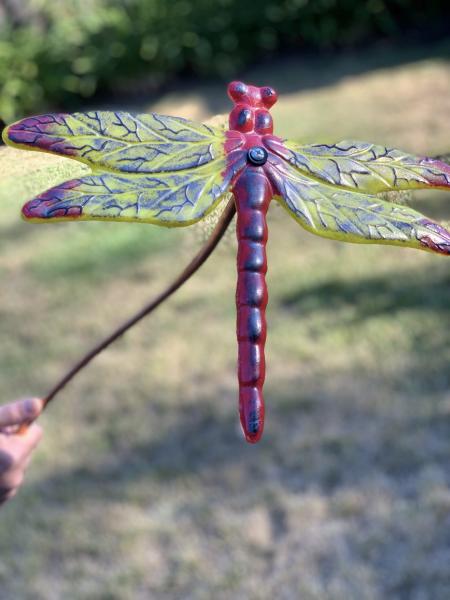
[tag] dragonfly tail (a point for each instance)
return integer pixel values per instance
(253, 194)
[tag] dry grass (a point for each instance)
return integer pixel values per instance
(144, 488)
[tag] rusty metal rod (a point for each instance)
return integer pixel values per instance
(191, 268)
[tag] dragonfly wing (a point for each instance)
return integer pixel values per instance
(352, 216)
(169, 199)
(150, 168)
(120, 141)
(367, 167)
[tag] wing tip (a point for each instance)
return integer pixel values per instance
(40, 214)
(441, 179)
(47, 206)
(33, 131)
(33, 211)
(436, 239)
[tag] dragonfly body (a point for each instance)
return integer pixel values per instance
(172, 172)
(249, 122)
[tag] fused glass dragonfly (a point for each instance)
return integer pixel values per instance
(172, 172)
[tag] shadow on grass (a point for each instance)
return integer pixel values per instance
(371, 296)
(317, 70)
(290, 73)
(15, 232)
(309, 71)
(296, 448)
(319, 441)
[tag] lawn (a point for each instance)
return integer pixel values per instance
(143, 486)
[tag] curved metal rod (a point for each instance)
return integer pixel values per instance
(192, 267)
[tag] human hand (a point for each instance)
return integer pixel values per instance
(18, 438)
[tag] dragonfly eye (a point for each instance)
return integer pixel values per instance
(269, 96)
(237, 90)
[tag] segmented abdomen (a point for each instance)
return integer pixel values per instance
(252, 193)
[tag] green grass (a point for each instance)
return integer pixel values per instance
(143, 486)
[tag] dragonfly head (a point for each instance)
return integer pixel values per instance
(251, 95)
(251, 107)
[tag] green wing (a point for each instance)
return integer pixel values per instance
(364, 166)
(150, 168)
(169, 199)
(352, 216)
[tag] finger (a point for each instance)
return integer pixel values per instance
(18, 447)
(6, 460)
(27, 442)
(9, 430)
(33, 436)
(21, 429)
(15, 429)
(19, 412)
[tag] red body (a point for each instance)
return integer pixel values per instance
(250, 121)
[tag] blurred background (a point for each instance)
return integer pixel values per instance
(143, 487)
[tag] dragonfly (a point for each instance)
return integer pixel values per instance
(170, 171)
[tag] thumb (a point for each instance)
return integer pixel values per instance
(22, 411)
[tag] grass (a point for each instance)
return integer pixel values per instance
(143, 486)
